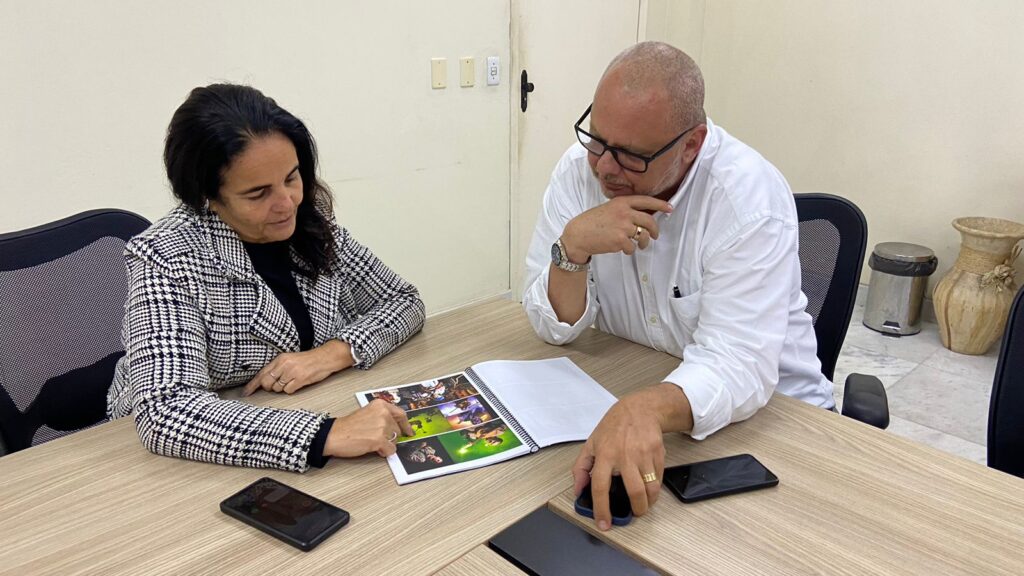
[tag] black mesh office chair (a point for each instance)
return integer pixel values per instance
(833, 240)
(62, 291)
(1006, 407)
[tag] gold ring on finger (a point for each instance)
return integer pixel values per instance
(636, 235)
(650, 477)
(394, 435)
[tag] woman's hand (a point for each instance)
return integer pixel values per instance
(292, 371)
(372, 428)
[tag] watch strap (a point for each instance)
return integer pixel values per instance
(563, 263)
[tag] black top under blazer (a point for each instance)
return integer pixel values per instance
(200, 319)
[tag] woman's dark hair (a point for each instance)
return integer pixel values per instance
(213, 126)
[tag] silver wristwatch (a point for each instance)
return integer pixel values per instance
(561, 260)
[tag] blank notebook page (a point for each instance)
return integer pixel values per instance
(554, 400)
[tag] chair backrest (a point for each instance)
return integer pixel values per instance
(62, 292)
(1006, 406)
(833, 239)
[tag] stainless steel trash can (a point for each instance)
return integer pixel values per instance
(899, 273)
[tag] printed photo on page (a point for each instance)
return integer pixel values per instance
(452, 424)
(491, 412)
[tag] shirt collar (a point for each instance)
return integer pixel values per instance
(229, 250)
(711, 142)
(227, 246)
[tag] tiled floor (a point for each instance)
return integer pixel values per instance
(936, 396)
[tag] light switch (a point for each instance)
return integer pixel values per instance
(438, 72)
(493, 71)
(466, 71)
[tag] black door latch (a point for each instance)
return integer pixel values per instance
(524, 90)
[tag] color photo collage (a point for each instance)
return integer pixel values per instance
(451, 421)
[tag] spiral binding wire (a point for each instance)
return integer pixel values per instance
(497, 405)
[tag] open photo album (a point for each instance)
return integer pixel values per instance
(492, 412)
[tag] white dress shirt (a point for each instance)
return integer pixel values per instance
(730, 248)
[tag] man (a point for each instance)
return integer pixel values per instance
(662, 228)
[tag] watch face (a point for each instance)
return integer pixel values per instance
(556, 254)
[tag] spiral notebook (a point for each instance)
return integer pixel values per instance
(494, 411)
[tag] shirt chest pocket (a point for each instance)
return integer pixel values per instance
(685, 313)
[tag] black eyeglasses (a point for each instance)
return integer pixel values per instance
(629, 160)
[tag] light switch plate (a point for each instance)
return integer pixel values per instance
(493, 71)
(438, 72)
(467, 71)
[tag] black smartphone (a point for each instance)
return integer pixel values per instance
(618, 501)
(719, 477)
(285, 513)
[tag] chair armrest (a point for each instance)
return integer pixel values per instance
(864, 399)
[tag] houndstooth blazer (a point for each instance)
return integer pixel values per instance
(199, 319)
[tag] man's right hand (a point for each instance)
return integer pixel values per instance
(611, 227)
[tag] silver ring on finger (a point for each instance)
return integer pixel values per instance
(394, 435)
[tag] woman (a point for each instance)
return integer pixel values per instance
(250, 282)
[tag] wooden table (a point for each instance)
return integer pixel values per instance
(480, 561)
(851, 499)
(98, 502)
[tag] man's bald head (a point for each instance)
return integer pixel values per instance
(656, 70)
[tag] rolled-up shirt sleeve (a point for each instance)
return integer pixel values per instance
(731, 368)
(562, 203)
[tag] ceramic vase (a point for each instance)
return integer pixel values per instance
(973, 299)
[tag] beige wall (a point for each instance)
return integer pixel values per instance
(419, 175)
(911, 109)
(678, 22)
(565, 71)
(906, 108)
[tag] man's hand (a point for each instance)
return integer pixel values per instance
(612, 226)
(628, 442)
(292, 371)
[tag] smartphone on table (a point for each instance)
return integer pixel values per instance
(618, 502)
(720, 477)
(285, 513)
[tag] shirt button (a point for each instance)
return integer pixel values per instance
(644, 278)
(653, 319)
